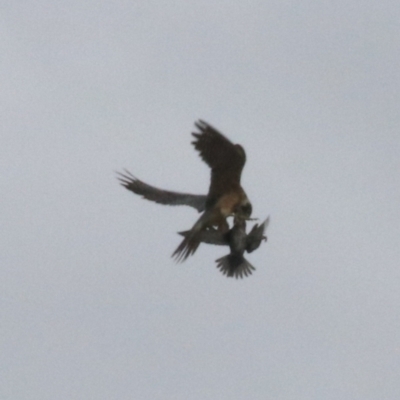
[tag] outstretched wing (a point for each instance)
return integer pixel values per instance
(255, 236)
(161, 196)
(225, 159)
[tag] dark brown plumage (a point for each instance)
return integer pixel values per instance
(226, 196)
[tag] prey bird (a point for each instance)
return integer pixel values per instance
(234, 264)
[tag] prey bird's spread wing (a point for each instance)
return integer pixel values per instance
(256, 236)
(225, 159)
(161, 196)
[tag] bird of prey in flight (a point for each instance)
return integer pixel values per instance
(225, 197)
(234, 264)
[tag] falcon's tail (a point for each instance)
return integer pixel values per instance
(234, 265)
(187, 247)
(192, 240)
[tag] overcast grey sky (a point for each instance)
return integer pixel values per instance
(93, 306)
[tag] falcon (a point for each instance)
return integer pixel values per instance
(226, 196)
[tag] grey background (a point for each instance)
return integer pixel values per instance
(92, 305)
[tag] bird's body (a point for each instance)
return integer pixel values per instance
(234, 264)
(226, 196)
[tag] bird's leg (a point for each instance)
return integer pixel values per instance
(223, 226)
(252, 219)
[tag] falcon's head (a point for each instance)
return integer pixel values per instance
(244, 209)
